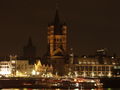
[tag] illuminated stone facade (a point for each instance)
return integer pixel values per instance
(20, 67)
(91, 67)
(57, 38)
(57, 44)
(43, 70)
(5, 68)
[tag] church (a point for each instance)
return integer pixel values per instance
(57, 53)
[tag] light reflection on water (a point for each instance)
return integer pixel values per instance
(60, 89)
(47, 89)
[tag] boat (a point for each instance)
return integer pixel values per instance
(82, 83)
(50, 83)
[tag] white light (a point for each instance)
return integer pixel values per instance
(33, 72)
(77, 84)
(5, 72)
(112, 57)
(76, 89)
(13, 61)
(38, 73)
(92, 81)
(85, 56)
(75, 80)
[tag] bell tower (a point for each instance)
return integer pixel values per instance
(57, 37)
(57, 43)
(29, 51)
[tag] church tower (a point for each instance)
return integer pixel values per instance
(29, 51)
(57, 43)
(57, 37)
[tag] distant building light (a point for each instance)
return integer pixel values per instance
(113, 63)
(101, 50)
(77, 84)
(80, 62)
(109, 74)
(13, 61)
(33, 72)
(71, 55)
(88, 62)
(85, 57)
(92, 81)
(38, 73)
(116, 67)
(4, 72)
(112, 57)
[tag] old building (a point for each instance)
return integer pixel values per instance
(91, 67)
(29, 52)
(43, 70)
(20, 67)
(5, 68)
(57, 44)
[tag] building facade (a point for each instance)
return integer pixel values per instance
(57, 44)
(91, 67)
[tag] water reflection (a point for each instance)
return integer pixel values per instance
(55, 89)
(60, 89)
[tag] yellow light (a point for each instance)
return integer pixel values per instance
(109, 75)
(38, 73)
(33, 72)
(75, 80)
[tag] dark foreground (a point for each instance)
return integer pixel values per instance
(49, 83)
(111, 82)
(53, 83)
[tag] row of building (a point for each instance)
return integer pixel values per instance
(85, 66)
(58, 60)
(22, 68)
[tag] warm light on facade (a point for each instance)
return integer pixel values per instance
(13, 61)
(5, 72)
(5, 68)
(109, 74)
(33, 72)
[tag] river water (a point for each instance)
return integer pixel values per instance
(60, 89)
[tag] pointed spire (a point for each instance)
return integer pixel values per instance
(57, 3)
(30, 41)
(56, 19)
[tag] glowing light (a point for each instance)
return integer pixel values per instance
(112, 57)
(76, 74)
(76, 89)
(85, 56)
(5, 68)
(33, 72)
(57, 89)
(25, 89)
(109, 74)
(75, 80)
(92, 81)
(4, 72)
(93, 74)
(77, 84)
(84, 74)
(38, 73)
(13, 61)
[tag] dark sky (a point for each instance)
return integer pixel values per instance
(92, 24)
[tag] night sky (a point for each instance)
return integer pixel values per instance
(92, 24)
